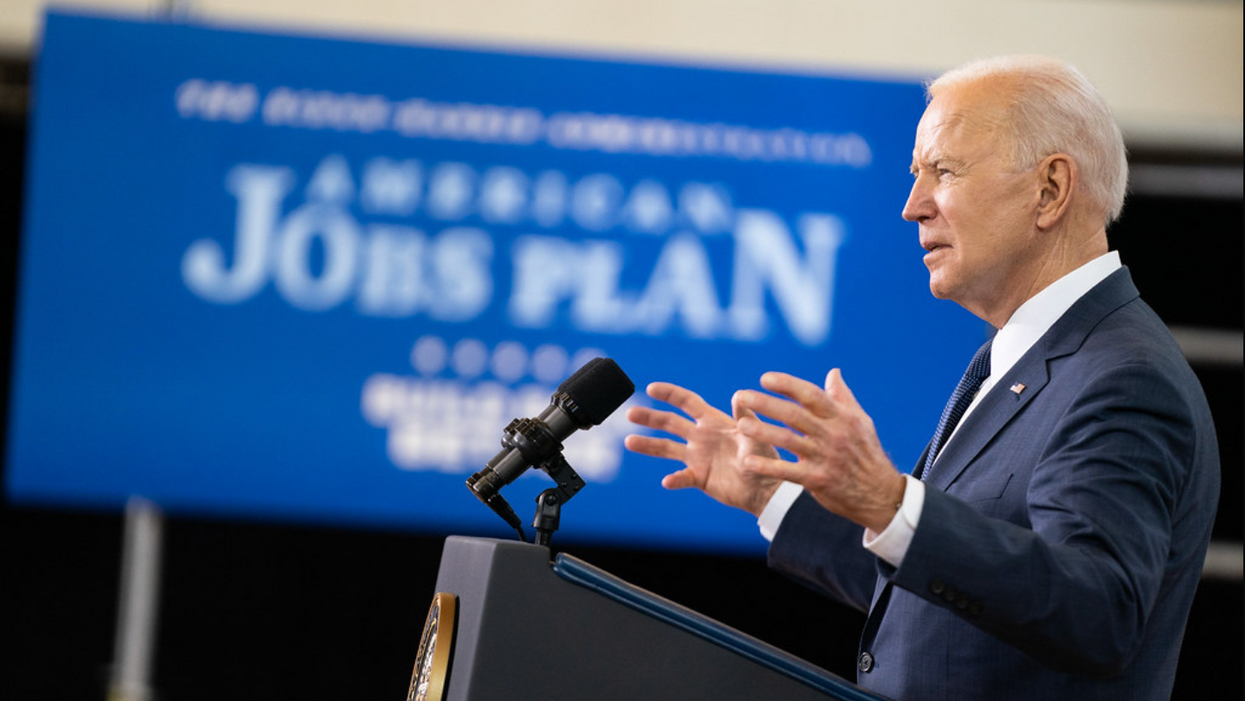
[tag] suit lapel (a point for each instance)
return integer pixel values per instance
(1002, 404)
(994, 412)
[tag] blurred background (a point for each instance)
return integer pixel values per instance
(256, 605)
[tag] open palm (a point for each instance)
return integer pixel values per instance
(712, 448)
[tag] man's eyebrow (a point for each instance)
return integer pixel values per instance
(929, 158)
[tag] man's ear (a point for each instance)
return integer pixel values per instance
(1057, 176)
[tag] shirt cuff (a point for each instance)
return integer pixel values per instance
(892, 543)
(777, 508)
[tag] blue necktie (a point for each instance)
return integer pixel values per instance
(978, 370)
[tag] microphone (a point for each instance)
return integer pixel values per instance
(584, 400)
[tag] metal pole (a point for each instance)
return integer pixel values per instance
(137, 603)
(179, 9)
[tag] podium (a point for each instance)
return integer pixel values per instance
(509, 624)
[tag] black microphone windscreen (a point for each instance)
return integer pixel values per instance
(597, 388)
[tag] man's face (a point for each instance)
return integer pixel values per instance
(976, 213)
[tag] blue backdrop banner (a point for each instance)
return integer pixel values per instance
(302, 278)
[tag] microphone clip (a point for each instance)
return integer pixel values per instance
(532, 438)
(549, 503)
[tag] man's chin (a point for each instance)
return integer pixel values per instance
(939, 288)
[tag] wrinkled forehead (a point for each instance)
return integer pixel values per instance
(961, 118)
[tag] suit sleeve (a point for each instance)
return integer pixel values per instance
(824, 552)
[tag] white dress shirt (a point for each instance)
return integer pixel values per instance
(1029, 322)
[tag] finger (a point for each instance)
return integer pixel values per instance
(837, 389)
(656, 447)
(738, 410)
(759, 403)
(660, 420)
(801, 391)
(779, 409)
(680, 397)
(770, 434)
(682, 479)
(776, 468)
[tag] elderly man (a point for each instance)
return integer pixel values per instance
(1049, 542)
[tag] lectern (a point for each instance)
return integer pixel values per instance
(508, 624)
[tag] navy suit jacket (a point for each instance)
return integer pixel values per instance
(1063, 532)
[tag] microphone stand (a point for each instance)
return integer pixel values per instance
(549, 502)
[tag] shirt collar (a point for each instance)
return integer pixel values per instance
(1033, 318)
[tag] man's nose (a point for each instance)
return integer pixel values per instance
(919, 206)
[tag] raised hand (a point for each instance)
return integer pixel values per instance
(839, 459)
(712, 449)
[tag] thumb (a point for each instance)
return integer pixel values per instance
(837, 388)
(739, 411)
(681, 479)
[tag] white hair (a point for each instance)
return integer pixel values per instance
(1055, 109)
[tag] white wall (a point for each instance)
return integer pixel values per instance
(1172, 69)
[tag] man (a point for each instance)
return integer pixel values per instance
(1052, 548)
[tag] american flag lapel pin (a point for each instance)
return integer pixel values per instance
(1018, 388)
